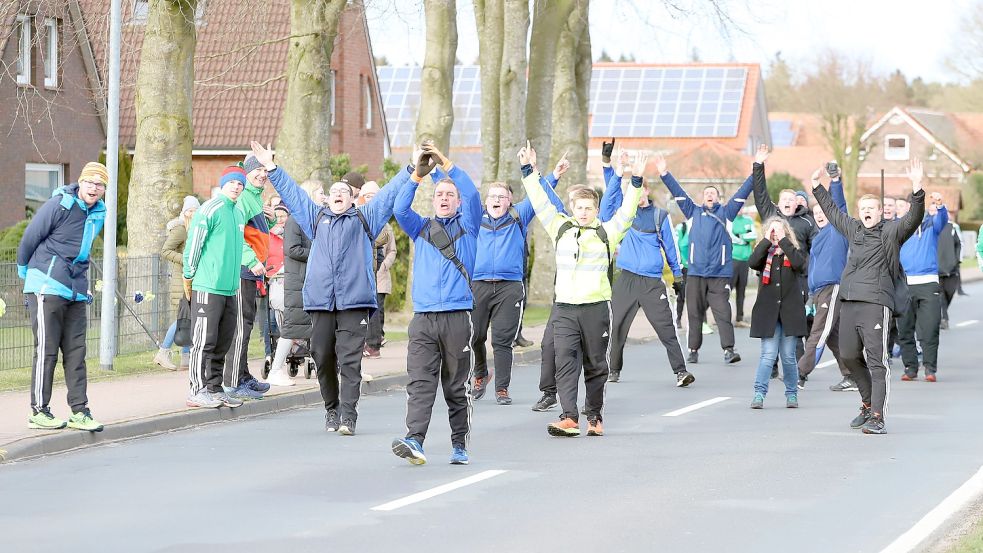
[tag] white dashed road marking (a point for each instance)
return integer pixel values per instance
(695, 406)
(967, 323)
(439, 490)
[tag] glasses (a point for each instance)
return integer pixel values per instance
(343, 191)
(497, 197)
(93, 183)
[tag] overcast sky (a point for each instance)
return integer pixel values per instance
(912, 35)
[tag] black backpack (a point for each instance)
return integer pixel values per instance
(436, 235)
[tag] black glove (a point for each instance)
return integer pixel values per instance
(607, 149)
(677, 286)
(424, 165)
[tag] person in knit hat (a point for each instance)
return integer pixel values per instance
(211, 262)
(173, 251)
(53, 260)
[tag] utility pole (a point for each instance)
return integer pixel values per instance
(107, 337)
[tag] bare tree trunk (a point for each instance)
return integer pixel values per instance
(436, 116)
(549, 16)
(162, 162)
(303, 145)
(489, 16)
(569, 133)
(512, 129)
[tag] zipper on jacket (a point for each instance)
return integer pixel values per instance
(723, 255)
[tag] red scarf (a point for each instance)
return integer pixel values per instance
(772, 252)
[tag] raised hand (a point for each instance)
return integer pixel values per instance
(263, 155)
(562, 166)
(531, 152)
(915, 172)
(424, 164)
(607, 148)
(660, 164)
(816, 176)
(937, 198)
(430, 148)
(762, 154)
(641, 161)
(523, 155)
(624, 161)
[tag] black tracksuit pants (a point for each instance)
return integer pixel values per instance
(714, 292)
(631, 292)
(950, 285)
(58, 325)
(582, 331)
(825, 331)
(216, 320)
(377, 323)
(739, 283)
(681, 298)
(864, 329)
(337, 340)
(439, 352)
(924, 315)
(497, 304)
(237, 358)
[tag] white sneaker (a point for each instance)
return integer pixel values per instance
(163, 358)
(278, 378)
(366, 377)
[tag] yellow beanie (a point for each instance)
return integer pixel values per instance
(95, 172)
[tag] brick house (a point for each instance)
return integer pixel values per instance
(51, 124)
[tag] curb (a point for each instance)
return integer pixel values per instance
(32, 447)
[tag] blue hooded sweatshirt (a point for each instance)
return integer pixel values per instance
(827, 257)
(437, 284)
(340, 272)
(920, 253)
(53, 257)
(710, 246)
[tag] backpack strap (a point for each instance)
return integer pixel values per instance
(601, 233)
(436, 235)
(358, 213)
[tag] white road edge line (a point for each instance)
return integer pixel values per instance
(930, 522)
(967, 323)
(439, 490)
(695, 406)
(826, 363)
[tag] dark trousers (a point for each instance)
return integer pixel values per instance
(715, 293)
(58, 325)
(864, 329)
(739, 283)
(337, 339)
(377, 323)
(547, 367)
(439, 352)
(630, 293)
(237, 358)
(924, 315)
(950, 285)
(499, 305)
(216, 320)
(582, 332)
(825, 331)
(525, 298)
(681, 298)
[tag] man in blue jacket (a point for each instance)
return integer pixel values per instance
(339, 291)
(827, 259)
(710, 268)
(441, 332)
(920, 260)
(53, 260)
(640, 284)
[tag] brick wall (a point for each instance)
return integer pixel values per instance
(70, 135)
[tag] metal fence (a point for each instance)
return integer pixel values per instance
(143, 309)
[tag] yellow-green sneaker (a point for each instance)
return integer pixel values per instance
(83, 421)
(44, 420)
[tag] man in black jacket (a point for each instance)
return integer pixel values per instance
(873, 285)
(950, 254)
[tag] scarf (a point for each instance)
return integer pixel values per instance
(772, 252)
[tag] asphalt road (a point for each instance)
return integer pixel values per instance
(719, 478)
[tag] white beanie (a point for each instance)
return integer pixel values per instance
(190, 202)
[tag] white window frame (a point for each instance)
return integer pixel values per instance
(44, 167)
(894, 154)
(331, 99)
(51, 53)
(367, 98)
(24, 49)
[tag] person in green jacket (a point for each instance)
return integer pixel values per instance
(979, 249)
(743, 237)
(682, 241)
(212, 257)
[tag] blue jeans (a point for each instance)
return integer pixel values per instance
(169, 339)
(770, 349)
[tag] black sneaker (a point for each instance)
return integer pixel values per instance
(874, 425)
(845, 385)
(331, 422)
(684, 379)
(614, 376)
(731, 356)
(522, 342)
(694, 357)
(862, 418)
(802, 382)
(545, 403)
(347, 427)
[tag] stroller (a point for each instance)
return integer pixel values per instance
(300, 353)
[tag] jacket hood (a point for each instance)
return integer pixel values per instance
(70, 194)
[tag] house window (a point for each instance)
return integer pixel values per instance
(896, 147)
(51, 53)
(141, 8)
(41, 179)
(23, 49)
(367, 100)
(331, 99)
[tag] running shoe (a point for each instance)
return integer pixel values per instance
(459, 456)
(874, 425)
(930, 377)
(243, 392)
(845, 385)
(347, 427)
(707, 329)
(909, 376)
(792, 401)
(545, 403)
(564, 428)
(684, 379)
(758, 402)
(331, 422)
(502, 397)
(226, 399)
(163, 358)
(203, 399)
(594, 426)
(478, 390)
(731, 356)
(83, 421)
(44, 420)
(802, 382)
(409, 449)
(694, 357)
(614, 376)
(256, 385)
(522, 342)
(862, 418)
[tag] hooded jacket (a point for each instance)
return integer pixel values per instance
(256, 234)
(710, 248)
(340, 267)
(920, 253)
(950, 250)
(438, 285)
(296, 248)
(53, 256)
(827, 257)
(873, 272)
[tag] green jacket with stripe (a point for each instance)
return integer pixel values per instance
(213, 252)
